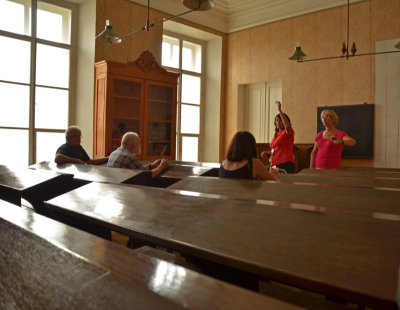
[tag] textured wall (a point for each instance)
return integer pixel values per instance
(261, 54)
(126, 16)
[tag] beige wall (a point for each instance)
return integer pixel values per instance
(125, 17)
(261, 54)
(82, 111)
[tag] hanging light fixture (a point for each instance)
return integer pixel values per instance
(108, 35)
(300, 56)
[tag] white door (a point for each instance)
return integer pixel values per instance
(257, 109)
(254, 110)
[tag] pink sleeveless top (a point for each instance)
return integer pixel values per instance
(329, 154)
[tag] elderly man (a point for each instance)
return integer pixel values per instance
(73, 152)
(125, 156)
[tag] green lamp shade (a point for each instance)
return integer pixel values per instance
(108, 35)
(298, 54)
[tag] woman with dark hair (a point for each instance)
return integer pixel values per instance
(241, 160)
(282, 143)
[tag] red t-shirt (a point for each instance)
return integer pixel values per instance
(282, 146)
(329, 153)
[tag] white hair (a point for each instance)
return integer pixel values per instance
(129, 137)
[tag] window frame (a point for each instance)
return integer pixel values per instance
(201, 75)
(34, 41)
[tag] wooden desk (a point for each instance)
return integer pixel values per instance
(351, 257)
(45, 264)
(357, 201)
(34, 186)
(352, 173)
(376, 169)
(180, 171)
(336, 180)
(95, 173)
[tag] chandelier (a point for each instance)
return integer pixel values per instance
(108, 35)
(300, 56)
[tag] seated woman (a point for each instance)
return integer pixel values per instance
(241, 160)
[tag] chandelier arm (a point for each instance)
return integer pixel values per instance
(148, 25)
(172, 17)
(133, 32)
(344, 56)
(348, 28)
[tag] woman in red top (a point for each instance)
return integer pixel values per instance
(282, 142)
(329, 143)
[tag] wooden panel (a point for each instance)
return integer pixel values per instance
(99, 116)
(351, 257)
(45, 264)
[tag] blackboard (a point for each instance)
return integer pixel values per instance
(358, 122)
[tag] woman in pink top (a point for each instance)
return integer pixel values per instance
(329, 143)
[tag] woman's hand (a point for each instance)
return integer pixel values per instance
(278, 103)
(336, 140)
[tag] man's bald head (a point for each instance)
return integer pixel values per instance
(131, 141)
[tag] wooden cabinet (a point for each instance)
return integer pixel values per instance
(139, 96)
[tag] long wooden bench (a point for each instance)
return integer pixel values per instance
(45, 264)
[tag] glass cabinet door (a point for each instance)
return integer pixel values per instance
(126, 109)
(160, 109)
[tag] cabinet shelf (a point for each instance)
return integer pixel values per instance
(157, 141)
(158, 121)
(126, 97)
(159, 101)
(124, 117)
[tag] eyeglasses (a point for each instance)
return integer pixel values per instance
(326, 116)
(74, 136)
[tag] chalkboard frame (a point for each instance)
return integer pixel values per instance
(358, 122)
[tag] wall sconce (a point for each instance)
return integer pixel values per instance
(109, 36)
(300, 56)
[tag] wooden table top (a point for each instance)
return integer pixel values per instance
(337, 180)
(49, 263)
(351, 200)
(376, 169)
(351, 257)
(181, 171)
(24, 178)
(26, 183)
(91, 173)
(353, 173)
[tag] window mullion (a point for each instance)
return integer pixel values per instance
(32, 95)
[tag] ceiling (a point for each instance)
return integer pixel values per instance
(234, 15)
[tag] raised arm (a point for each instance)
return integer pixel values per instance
(285, 121)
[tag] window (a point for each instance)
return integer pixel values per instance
(185, 56)
(35, 62)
